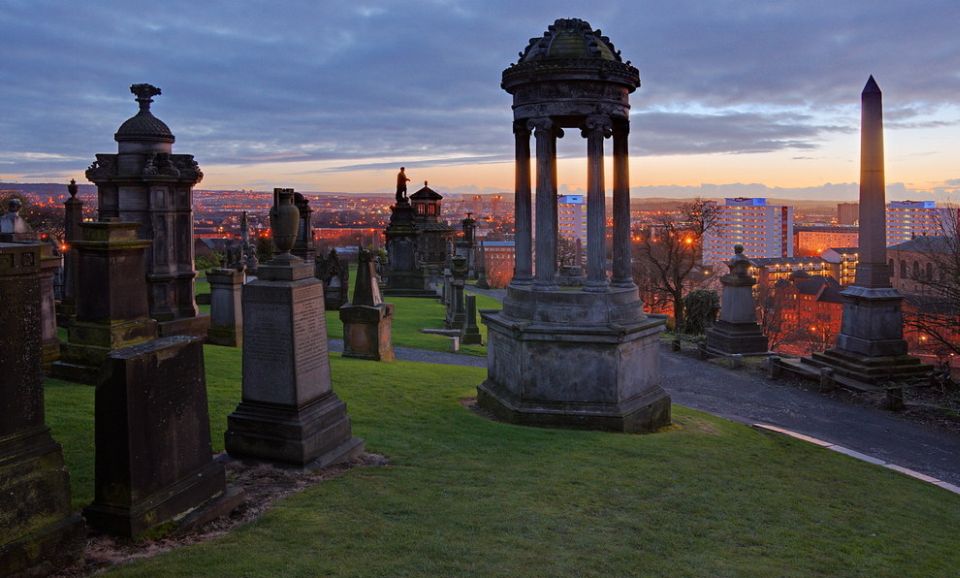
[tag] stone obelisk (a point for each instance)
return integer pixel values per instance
(870, 347)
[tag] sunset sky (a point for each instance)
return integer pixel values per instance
(753, 98)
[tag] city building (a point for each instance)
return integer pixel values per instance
(813, 240)
(842, 262)
(848, 213)
(764, 230)
(909, 219)
(915, 261)
(499, 259)
(769, 270)
(572, 217)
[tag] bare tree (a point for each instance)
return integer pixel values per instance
(936, 315)
(669, 254)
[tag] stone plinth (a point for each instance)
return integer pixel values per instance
(737, 330)
(471, 331)
(226, 307)
(289, 412)
(456, 310)
(406, 277)
(39, 534)
(367, 322)
(548, 369)
(112, 309)
(154, 462)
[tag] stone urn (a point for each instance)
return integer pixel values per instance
(284, 220)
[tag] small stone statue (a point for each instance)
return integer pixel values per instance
(402, 180)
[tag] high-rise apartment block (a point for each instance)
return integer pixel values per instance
(763, 230)
(572, 217)
(909, 219)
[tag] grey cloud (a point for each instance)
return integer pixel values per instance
(248, 82)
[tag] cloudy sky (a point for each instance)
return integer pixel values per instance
(737, 96)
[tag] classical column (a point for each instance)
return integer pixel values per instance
(596, 128)
(622, 273)
(546, 134)
(523, 225)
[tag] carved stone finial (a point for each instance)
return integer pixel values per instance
(144, 93)
(738, 249)
(424, 183)
(72, 188)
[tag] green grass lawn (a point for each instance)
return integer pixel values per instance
(465, 496)
(410, 316)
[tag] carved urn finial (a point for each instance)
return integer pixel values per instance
(72, 188)
(144, 93)
(284, 220)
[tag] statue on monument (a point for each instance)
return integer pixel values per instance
(402, 180)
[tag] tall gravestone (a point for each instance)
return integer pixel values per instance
(145, 183)
(471, 331)
(367, 320)
(482, 282)
(304, 246)
(38, 531)
(289, 412)
(456, 310)
(226, 307)
(72, 217)
(737, 330)
(576, 358)
(154, 461)
(112, 310)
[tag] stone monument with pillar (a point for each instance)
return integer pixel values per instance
(289, 411)
(575, 358)
(39, 532)
(367, 320)
(147, 184)
(737, 330)
(72, 217)
(870, 347)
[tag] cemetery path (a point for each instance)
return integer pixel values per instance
(424, 355)
(750, 398)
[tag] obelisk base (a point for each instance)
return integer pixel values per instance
(367, 331)
(725, 338)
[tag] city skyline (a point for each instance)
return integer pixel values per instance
(736, 100)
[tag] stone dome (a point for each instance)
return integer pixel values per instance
(144, 127)
(570, 38)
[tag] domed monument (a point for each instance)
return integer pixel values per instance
(147, 184)
(587, 357)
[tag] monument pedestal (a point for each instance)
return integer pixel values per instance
(289, 412)
(112, 309)
(39, 534)
(154, 463)
(727, 338)
(367, 331)
(602, 372)
(226, 307)
(870, 347)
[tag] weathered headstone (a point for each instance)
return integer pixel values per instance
(336, 280)
(367, 320)
(38, 532)
(226, 307)
(289, 412)
(471, 331)
(112, 310)
(15, 229)
(456, 310)
(737, 331)
(72, 217)
(154, 462)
